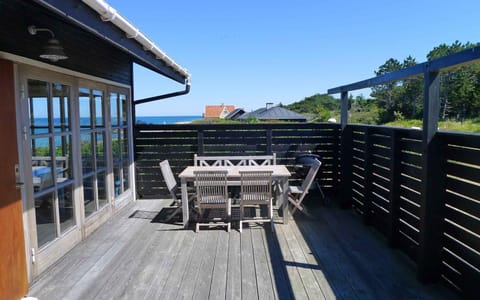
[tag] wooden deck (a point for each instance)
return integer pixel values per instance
(136, 256)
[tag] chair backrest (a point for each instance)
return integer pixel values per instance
(312, 173)
(211, 186)
(256, 186)
(245, 160)
(169, 178)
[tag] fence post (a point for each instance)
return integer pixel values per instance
(431, 209)
(346, 167)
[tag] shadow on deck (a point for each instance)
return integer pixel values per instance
(136, 256)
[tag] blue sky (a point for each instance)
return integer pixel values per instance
(247, 53)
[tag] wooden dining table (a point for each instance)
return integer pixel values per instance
(280, 175)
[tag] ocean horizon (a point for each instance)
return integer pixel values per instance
(166, 119)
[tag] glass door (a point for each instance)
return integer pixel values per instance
(93, 144)
(51, 158)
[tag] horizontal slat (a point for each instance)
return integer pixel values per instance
(409, 206)
(381, 153)
(410, 219)
(468, 279)
(410, 158)
(463, 188)
(468, 222)
(410, 183)
(470, 173)
(410, 195)
(465, 155)
(467, 205)
(381, 192)
(464, 236)
(380, 171)
(415, 172)
(464, 139)
(463, 252)
(409, 145)
(408, 231)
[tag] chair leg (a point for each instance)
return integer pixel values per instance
(229, 215)
(197, 227)
(241, 218)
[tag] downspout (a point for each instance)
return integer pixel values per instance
(164, 96)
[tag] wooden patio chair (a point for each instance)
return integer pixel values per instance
(256, 189)
(296, 194)
(212, 193)
(172, 187)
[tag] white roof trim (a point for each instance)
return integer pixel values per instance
(109, 14)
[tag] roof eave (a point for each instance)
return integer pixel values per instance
(92, 18)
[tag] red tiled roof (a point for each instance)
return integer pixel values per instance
(217, 111)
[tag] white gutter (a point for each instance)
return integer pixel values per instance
(109, 14)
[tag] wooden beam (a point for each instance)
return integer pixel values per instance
(453, 60)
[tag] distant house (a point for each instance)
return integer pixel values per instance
(218, 111)
(270, 113)
(235, 114)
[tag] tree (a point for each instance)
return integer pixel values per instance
(459, 87)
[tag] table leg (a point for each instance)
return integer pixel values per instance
(185, 216)
(286, 212)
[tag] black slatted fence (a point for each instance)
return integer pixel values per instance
(384, 185)
(178, 144)
(381, 178)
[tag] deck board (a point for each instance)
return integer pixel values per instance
(136, 256)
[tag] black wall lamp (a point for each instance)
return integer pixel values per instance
(52, 51)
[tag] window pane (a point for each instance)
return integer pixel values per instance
(38, 106)
(100, 144)
(98, 100)
(87, 153)
(89, 196)
(123, 107)
(125, 144)
(65, 204)
(114, 109)
(42, 172)
(61, 119)
(117, 180)
(85, 109)
(45, 216)
(116, 145)
(102, 189)
(126, 176)
(63, 155)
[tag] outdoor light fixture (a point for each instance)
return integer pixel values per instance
(52, 51)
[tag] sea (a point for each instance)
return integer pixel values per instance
(41, 124)
(166, 119)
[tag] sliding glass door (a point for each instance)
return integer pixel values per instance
(75, 140)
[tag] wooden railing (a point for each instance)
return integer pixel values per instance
(379, 174)
(179, 143)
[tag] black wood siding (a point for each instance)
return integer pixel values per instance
(87, 53)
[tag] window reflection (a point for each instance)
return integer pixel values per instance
(66, 208)
(45, 217)
(89, 196)
(102, 189)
